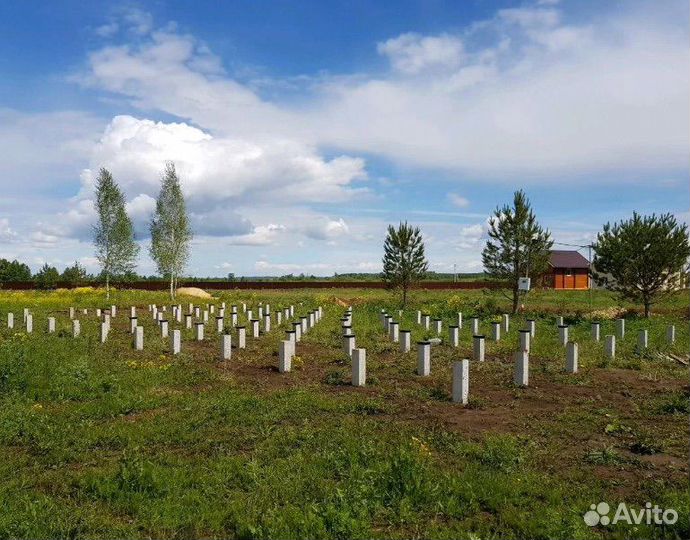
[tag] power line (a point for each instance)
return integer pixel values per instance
(574, 245)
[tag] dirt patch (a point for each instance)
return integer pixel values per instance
(564, 416)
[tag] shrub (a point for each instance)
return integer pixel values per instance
(676, 403)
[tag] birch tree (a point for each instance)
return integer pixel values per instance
(171, 234)
(116, 249)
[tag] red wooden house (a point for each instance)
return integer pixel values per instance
(567, 270)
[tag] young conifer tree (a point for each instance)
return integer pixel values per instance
(642, 258)
(404, 262)
(517, 247)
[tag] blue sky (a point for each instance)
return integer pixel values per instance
(301, 130)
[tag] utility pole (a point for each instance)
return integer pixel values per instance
(589, 277)
(455, 273)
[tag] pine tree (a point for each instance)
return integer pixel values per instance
(170, 231)
(639, 258)
(116, 249)
(47, 277)
(74, 275)
(517, 247)
(14, 271)
(404, 262)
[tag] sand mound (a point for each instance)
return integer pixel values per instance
(193, 291)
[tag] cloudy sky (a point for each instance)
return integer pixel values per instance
(301, 130)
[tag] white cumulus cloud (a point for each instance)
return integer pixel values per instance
(216, 169)
(524, 92)
(412, 53)
(322, 228)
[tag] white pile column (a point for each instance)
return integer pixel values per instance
(241, 337)
(348, 344)
(461, 381)
(475, 326)
(596, 329)
(671, 334)
(405, 341)
(563, 334)
(496, 331)
(571, 357)
(226, 347)
(478, 348)
(175, 341)
(359, 367)
(423, 358)
(521, 368)
(524, 340)
(394, 332)
(139, 338)
(620, 328)
(285, 352)
(454, 335)
(290, 334)
(611, 347)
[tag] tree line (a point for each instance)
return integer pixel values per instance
(46, 278)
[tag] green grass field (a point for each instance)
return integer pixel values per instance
(102, 441)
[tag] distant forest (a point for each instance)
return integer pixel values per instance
(48, 276)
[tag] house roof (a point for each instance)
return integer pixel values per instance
(560, 258)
